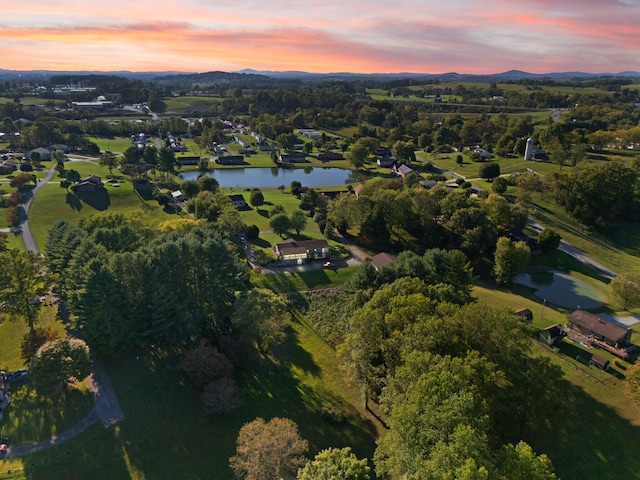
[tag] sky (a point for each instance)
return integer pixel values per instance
(372, 36)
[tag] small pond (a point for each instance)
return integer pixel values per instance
(562, 289)
(274, 177)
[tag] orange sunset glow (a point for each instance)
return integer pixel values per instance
(467, 36)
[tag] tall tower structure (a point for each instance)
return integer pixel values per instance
(528, 151)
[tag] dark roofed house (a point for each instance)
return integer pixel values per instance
(382, 259)
(325, 156)
(292, 157)
(230, 160)
(294, 252)
(552, 335)
(8, 166)
(59, 146)
(188, 160)
(238, 201)
(592, 325)
(89, 184)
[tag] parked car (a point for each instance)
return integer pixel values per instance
(328, 264)
(17, 374)
(3, 449)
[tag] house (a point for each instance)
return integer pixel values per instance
(383, 152)
(525, 314)
(297, 252)
(59, 146)
(188, 160)
(238, 201)
(89, 184)
(382, 260)
(247, 150)
(292, 157)
(326, 156)
(45, 153)
(141, 184)
(402, 170)
(177, 196)
(230, 160)
(597, 327)
(599, 361)
(552, 335)
(386, 161)
(7, 166)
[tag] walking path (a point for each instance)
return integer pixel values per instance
(107, 408)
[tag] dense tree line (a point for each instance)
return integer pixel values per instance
(130, 286)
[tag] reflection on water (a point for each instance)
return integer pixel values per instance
(274, 177)
(562, 289)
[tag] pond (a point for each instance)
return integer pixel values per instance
(274, 177)
(562, 289)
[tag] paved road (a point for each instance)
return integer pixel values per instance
(577, 253)
(29, 448)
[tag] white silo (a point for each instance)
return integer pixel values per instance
(528, 151)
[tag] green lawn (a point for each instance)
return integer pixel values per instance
(11, 333)
(53, 202)
(114, 144)
(14, 241)
(167, 435)
(296, 282)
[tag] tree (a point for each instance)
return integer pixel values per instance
(295, 188)
(520, 462)
(509, 260)
(208, 183)
(21, 283)
(459, 160)
(499, 185)
(20, 180)
(489, 170)
(59, 157)
(626, 288)
(335, 464)
(263, 315)
(190, 189)
(298, 221)
(256, 198)
(404, 151)
(280, 223)
(34, 339)
(548, 240)
(358, 155)
(109, 160)
(221, 396)
(270, 450)
(59, 361)
(73, 176)
(205, 364)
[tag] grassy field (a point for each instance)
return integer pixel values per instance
(301, 281)
(53, 202)
(183, 102)
(167, 435)
(113, 144)
(11, 333)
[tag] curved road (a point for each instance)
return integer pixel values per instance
(107, 408)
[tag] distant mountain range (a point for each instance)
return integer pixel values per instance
(292, 75)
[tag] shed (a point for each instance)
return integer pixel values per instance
(599, 361)
(525, 313)
(552, 335)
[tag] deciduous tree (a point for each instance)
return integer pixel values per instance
(59, 361)
(272, 450)
(335, 464)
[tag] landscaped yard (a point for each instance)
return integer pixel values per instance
(167, 435)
